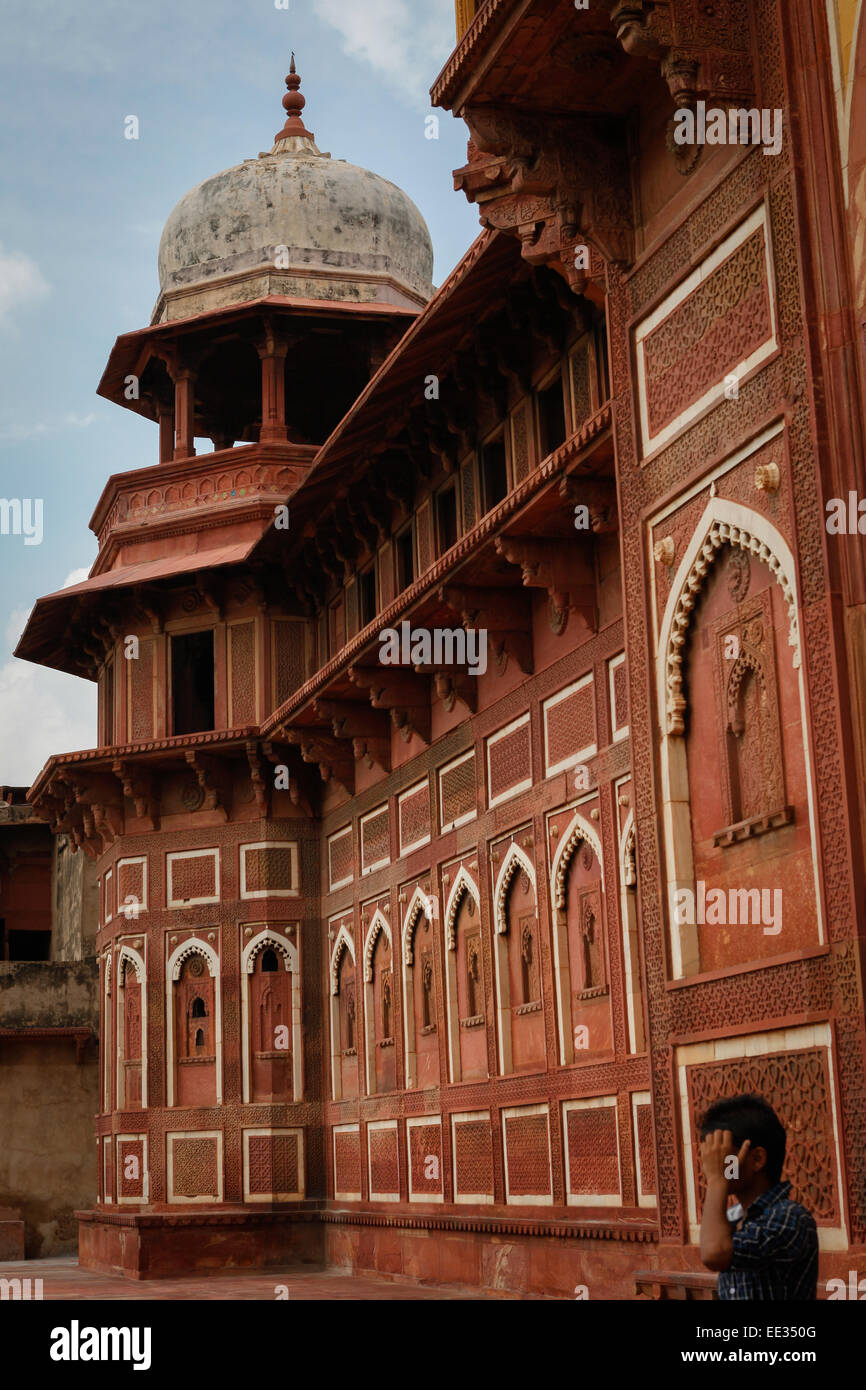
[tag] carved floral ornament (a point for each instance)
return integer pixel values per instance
(720, 534)
(463, 883)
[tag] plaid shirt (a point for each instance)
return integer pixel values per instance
(775, 1251)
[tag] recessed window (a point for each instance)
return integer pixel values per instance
(367, 597)
(551, 417)
(494, 473)
(446, 519)
(404, 555)
(337, 626)
(192, 682)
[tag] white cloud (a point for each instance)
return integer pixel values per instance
(75, 577)
(14, 434)
(21, 282)
(403, 40)
(41, 711)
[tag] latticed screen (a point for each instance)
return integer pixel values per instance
(457, 791)
(288, 659)
(509, 761)
(375, 839)
(341, 868)
(570, 725)
(415, 817)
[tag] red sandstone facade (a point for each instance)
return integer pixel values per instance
(393, 970)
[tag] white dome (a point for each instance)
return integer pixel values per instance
(293, 222)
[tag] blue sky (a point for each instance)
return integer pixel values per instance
(82, 210)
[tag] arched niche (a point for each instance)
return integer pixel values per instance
(734, 592)
(131, 1030)
(380, 1006)
(464, 980)
(344, 1017)
(579, 956)
(420, 1022)
(194, 1070)
(272, 1020)
(517, 949)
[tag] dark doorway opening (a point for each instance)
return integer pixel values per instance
(192, 683)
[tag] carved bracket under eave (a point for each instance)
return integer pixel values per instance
(403, 694)
(506, 616)
(561, 568)
(557, 184)
(142, 789)
(214, 780)
(703, 51)
(329, 754)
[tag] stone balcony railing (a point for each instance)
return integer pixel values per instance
(232, 478)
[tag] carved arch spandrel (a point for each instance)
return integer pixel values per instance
(379, 924)
(343, 943)
(463, 883)
(515, 858)
(420, 906)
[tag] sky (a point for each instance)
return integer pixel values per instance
(81, 212)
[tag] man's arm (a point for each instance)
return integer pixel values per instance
(717, 1238)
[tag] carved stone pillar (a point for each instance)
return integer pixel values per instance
(165, 415)
(273, 355)
(184, 413)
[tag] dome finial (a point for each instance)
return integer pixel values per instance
(294, 103)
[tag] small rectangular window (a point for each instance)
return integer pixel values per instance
(404, 551)
(446, 519)
(551, 417)
(192, 682)
(337, 626)
(494, 473)
(367, 597)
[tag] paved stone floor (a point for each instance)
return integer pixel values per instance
(62, 1279)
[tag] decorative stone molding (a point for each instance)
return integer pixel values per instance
(720, 534)
(768, 477)
(515, 859)
(343, 943)
(579, 832)
(665, 551)
(379, 923)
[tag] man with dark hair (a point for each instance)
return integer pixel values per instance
(766, 1247)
